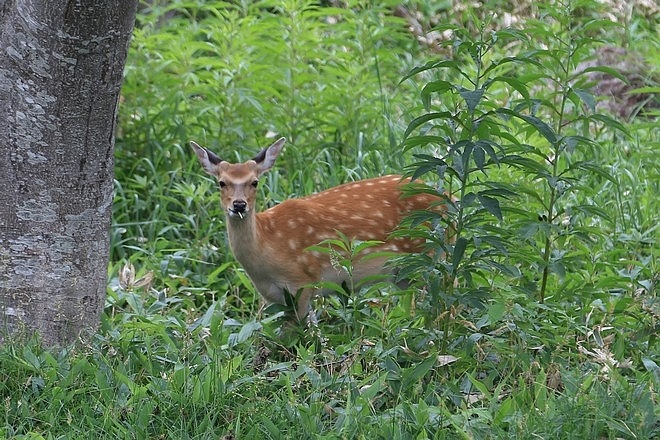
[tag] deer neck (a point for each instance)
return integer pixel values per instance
(244, 237)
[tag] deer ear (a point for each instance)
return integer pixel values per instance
(266, 157)
(207, 159)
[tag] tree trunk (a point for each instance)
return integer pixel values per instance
(61, 64)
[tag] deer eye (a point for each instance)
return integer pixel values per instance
(222, 184)
(255, 183)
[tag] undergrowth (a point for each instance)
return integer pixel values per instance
(539, 321)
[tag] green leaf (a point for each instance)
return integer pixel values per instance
(410, 377)
(245, 333)
(512, 33)
(557, 267)
(31, 358)
(135, 302)
(359, 246)
(439, 87)
(480, 386)
(471, 97)
(587, 98)
(501, 190)
(371, 391)
(457, 256)
(529, 229)
(205, 319)
(524, 163)
(505, 411)
(610, 122)
(596, 169)
(479, 157)
(265, 428)
(593, 210)
(644, 90)
(517, 85)
(468, 199)
(431, 65)
(652, 367)
(488, 147)
(421, 120)
(603, 69)
(496, 312)
(491, 205)
(544, 129)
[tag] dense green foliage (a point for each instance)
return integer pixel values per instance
(541, 321)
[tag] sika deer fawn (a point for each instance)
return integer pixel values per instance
(273, 246)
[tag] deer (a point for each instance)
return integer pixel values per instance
(278, 247)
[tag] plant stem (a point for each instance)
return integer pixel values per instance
(564, 86)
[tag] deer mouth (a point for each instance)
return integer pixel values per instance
(234, 213)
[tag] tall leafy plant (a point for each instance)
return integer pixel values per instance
(537, 129)
(565, 149)
(463, 128)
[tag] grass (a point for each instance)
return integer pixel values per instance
(541, 322)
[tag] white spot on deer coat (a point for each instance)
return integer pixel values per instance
(316, 254)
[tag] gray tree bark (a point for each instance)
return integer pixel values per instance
(61, 66)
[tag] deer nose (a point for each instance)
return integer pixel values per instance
(240, 206)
